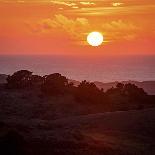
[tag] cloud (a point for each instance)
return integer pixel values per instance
(120, 30)
(73, 27)
(63, 3)
(119, 25)
(114, 9)
(87, 3)
(117, 4)
(78, 28)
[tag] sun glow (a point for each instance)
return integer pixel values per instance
(95, 38)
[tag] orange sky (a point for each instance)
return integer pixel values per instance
(61, 27)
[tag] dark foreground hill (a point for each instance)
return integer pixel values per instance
(34, 124)
(117, 133)
(48, 115)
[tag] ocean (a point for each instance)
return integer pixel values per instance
(97, 68)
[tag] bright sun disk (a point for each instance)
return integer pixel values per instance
(95, 38)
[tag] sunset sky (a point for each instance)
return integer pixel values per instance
(61, 27)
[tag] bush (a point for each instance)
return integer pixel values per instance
(128, 91)
(36, 80)
(19, 79)
(54, 84)
(133, 92)
(89, 92)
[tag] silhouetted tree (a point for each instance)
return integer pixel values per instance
(112, 91)
(19, 79)
(36, 80)
(89, 92)
(133, 92)
(120, 86)
(54, 84)
(126, 93)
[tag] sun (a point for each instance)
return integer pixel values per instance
(95, 38)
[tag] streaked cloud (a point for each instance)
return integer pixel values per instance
(63, 3)
(111, 10)
(87, 3)
(117, 4)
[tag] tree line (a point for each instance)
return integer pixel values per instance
(57, 84)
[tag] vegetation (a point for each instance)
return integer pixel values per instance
(86, 92)
(129, 91)
(39, 116)
(54, 84)
(19, 79)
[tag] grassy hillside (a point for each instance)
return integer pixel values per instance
(31, 123)
(49, 115)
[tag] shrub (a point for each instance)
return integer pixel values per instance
(128, 91)
(89, 92)
(36, 80)
(19, 79)
(54, 84)
(133, 92)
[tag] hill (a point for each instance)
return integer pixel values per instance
(34, 124)
(3, 78)
(115, 133)
(49, 115)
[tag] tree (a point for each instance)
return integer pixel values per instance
(129, 92)
(133, 92)
(54, 84)
(36, 80)
(120, 86)
(19, 79)
(88, 92)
